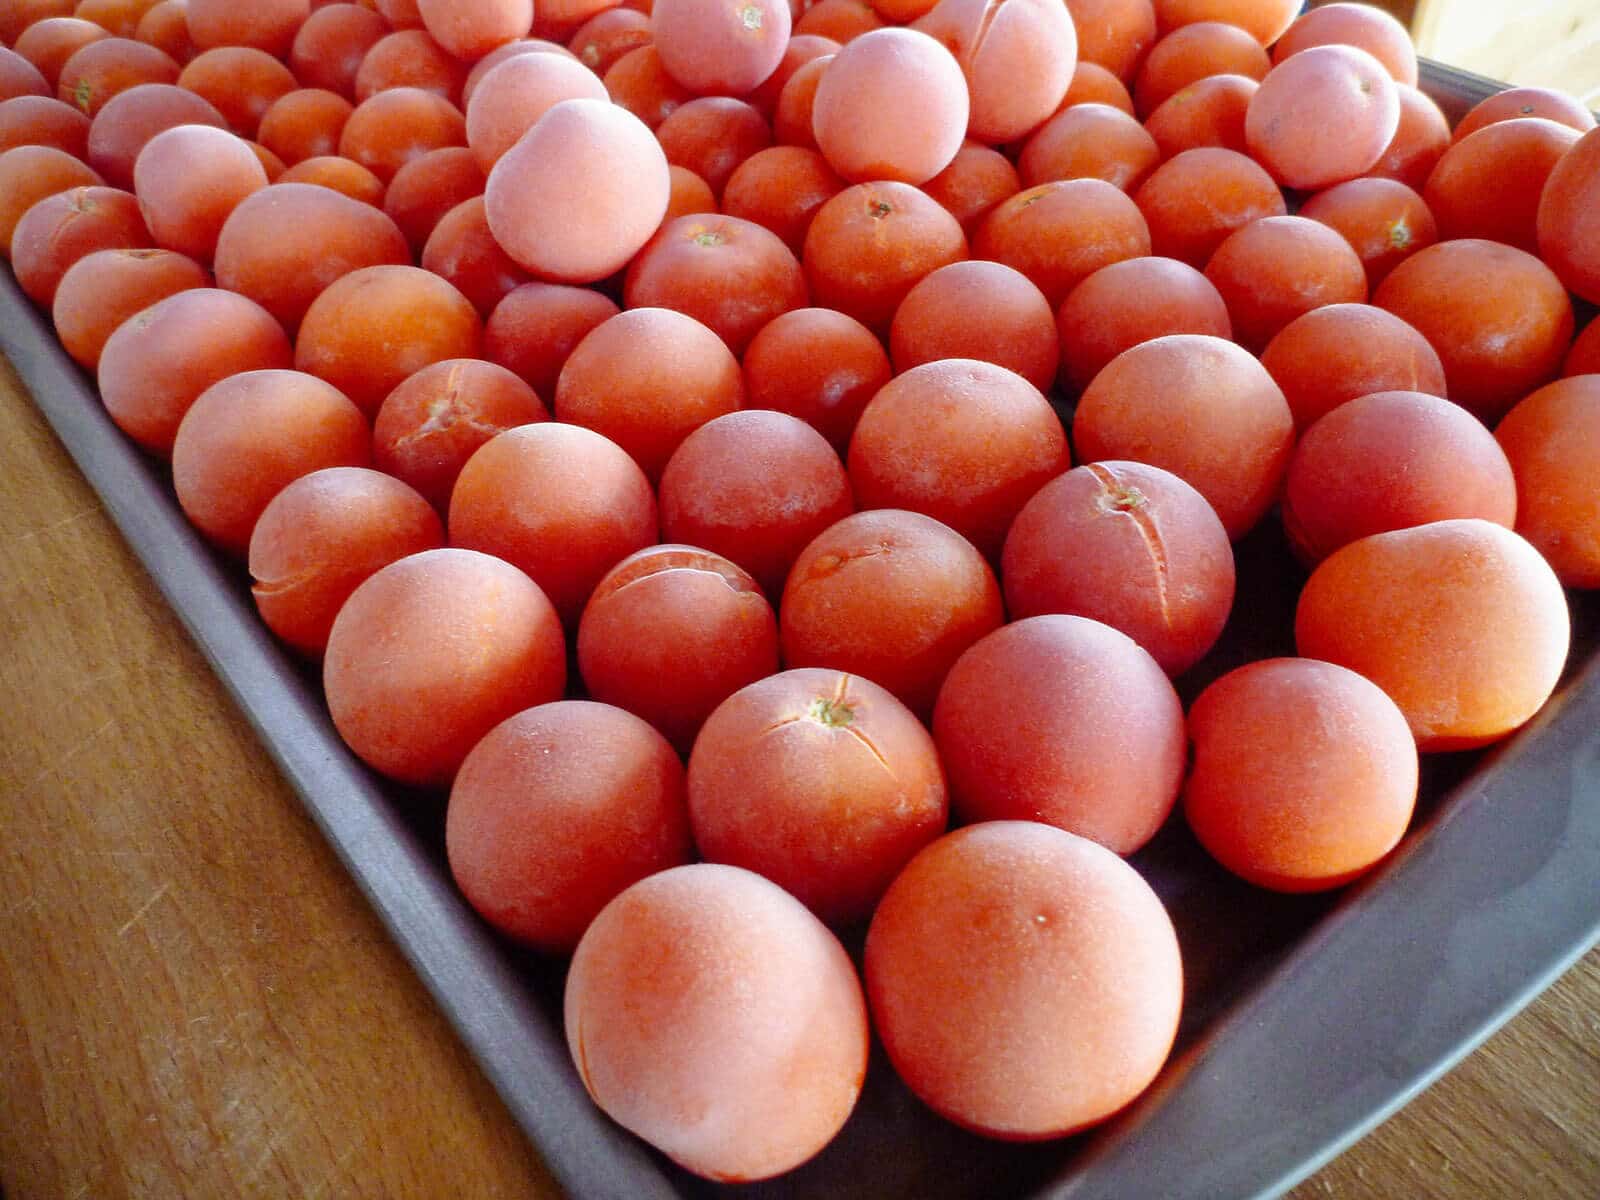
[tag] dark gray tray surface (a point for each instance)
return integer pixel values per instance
(1307, 1019)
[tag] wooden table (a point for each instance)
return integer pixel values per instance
(196, 1002)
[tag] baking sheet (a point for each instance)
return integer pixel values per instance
(1307, 1019)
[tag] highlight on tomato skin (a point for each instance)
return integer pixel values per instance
(575, 197)
(1461, 622)
(759, 1049)
(1026, 982)
(1345, 803)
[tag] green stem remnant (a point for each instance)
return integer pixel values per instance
(836, 714)
(1125, 499)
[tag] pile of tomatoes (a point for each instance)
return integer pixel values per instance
(805, 534)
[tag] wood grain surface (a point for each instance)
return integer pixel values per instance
(196, 1002)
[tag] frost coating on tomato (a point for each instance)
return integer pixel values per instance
(1026, 982)
(431, 653)
(708, 1012)
(892, 105)
(721, 47)
(470, 29)
(1018, 57)
(579, 193)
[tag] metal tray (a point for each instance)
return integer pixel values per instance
(1307, 1021)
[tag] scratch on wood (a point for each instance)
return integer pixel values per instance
(72, 752)
(144, 908)
(52, 527)
(327, 1179)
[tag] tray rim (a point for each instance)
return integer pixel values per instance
(466, 972)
